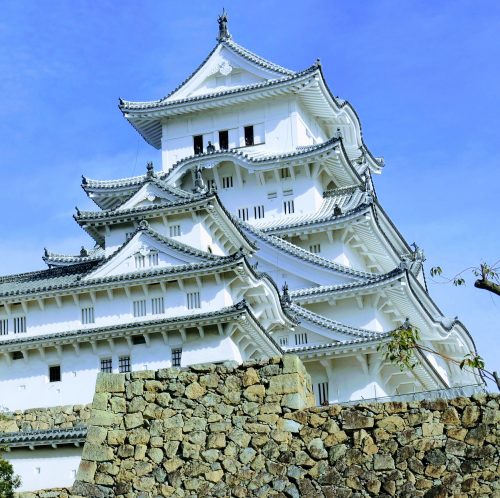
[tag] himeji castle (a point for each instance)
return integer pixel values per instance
(261, 233)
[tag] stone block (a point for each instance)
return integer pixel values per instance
(286, 384)
(97, 453)
(110, 383)
(353, 420)
(103, 418)
(383, 462)
(86, 471)
(96, 435)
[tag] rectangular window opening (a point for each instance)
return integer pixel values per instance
(224, 140)
(140, 261)
(153, 258)
(198, 144)
(288, 207)
(88, 315)
(19, 324)
(285, 173)
(175, 230)
(315, 248)
(138, 339)
(17, 355)
(227, 182)
(4, 326)
(176, 357)
(140, 308)
(55, 373)
(124, 364)
(157, 305)
(243, 214)
(283, 341)
(249, 139)
(258, 212)
(193, 300)
(107, 365)
(300, 338)
(322, 390)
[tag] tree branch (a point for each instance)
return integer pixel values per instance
(484, 283)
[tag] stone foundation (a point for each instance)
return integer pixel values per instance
(251, 430)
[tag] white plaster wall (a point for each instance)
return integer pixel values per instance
(347, 380)
(44, 468)
(278, 116)
(53, 319)
(25, 384)
(348, 311)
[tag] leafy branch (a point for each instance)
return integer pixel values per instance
(403, 344)
(487, 276)
(8, 480)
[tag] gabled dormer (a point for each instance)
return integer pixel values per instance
(149, 250)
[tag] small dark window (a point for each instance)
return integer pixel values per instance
(124, 364)
(198, 144)
(138, 339)
(223, 140)
(17, 355)
(248, 135)
(107, 365)
(176, 357)
(55, 373)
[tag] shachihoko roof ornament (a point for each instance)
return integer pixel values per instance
(223, 30)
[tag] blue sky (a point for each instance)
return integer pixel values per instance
(422, 75)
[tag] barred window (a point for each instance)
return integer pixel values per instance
(284, 173)
(4, 326)
(315, 248)
(107, 365)
(300, 339)
(193, 300)
(124, 364)
(140, 307)
(176, 357)
(243, 214)
(140, 261)
(19, 324)
(88, 315)
(157, 305)
(289, 207)
(175, 230)
(153, 258)
(322, 393)
(55, 373)
(212, 185)
(258, 212)
(227, 182)
(283, 341)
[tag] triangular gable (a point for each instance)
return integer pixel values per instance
(224, 69)
(147, 195)
(147, 250)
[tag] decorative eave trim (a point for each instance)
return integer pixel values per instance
(48, 437)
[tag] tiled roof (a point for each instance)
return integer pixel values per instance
(303, 254)
(337, 345)
(43, 437)
(73, 277)
(377, 280)
(127, 106)
(332, 325)
(56, 259)
(349, 201)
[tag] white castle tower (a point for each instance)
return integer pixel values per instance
(261, 234)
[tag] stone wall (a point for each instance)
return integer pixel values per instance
(60, 417)
(250, 430)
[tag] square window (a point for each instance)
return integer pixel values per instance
(175, 230)
(88, 315)
(258, 212)
(139, 308)
(19, 324)
(107, 365)
(227, 182)
(176, 357)
(243, 214)
(55, 373)
(315, 248)
(124, 364)
(138, 339)
(17, 355)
